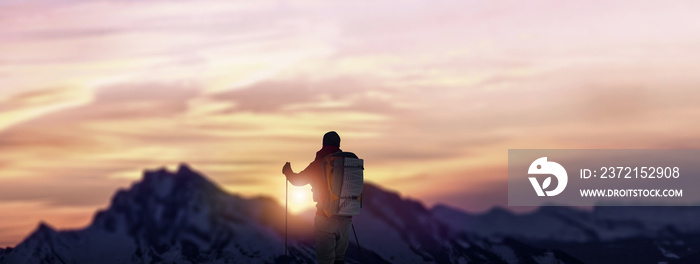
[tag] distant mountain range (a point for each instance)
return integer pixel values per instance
(182, 217)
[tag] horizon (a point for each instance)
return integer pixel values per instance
(430, 95)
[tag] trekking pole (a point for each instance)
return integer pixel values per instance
(286, 195)
(358, 243)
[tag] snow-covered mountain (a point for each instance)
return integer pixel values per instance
(170, 217)
(606, 234)
(182, 217)
(605, 223)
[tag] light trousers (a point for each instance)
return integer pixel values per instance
(332, 235)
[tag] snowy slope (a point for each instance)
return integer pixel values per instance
(604, 235)
(574, 225)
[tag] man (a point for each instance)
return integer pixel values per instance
(331, 233)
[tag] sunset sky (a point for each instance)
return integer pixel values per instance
(431, 94)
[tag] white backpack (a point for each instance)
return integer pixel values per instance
(343, 174)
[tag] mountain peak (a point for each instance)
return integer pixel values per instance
(45, 228)
(184, 169)
(185, 179)
(43, 232)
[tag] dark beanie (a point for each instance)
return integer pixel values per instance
(331, 139)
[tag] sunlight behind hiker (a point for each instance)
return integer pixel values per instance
(336, 180)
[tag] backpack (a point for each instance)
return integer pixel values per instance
(343, 175)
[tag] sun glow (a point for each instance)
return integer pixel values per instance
(300, 199)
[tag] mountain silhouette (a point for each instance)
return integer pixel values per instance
(183, 217)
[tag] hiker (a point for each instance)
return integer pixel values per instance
(331, 233)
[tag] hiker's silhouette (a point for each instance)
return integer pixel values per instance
(332, 232)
